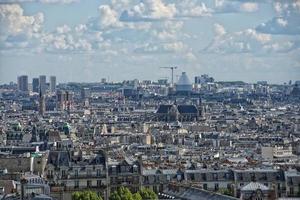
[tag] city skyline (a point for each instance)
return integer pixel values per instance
(124, 40)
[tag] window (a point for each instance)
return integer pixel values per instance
(252, 175)
(135, 168)
(76, 184)
(216, 186)
(240, 175)
(215, 176)
(264, 176)
(89, 183)
(98, 172)
(63, 173)
(76, 173)
(123, 169)
(192, 177)
(99, 183)
(89, 172)
(205, 186)
(228, 186)
(168, 177)
(114, 169)
(204, 176)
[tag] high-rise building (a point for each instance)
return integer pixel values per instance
(42, 105)
(35, 85)
(43, 85)
(52, 83)
(85, 93)
(23, 83)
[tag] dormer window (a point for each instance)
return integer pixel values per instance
(135, 168)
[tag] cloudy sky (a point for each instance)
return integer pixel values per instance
(86, 40)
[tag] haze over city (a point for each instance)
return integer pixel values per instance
(83, 41)
(149, 99)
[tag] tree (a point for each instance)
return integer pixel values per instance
(124, 194)
(115, 196)
(85, 195)
(121, 194)
(137, 196)
(147, 194)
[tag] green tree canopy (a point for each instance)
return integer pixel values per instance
(124, 194)
(85, 195)
(137, 196)
(148, 194)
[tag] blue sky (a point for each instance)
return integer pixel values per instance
(86, 40)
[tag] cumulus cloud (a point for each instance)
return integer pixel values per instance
(219, 30)
(246, 41)
(286, 22)
(40, 1)
(190, 8)
(151, 48)
(226, 6)
(168, 30)
(149, 10)
(17, 27)
(108, 18)
(67, 40)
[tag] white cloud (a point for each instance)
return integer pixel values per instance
(227, 6)
(17, 27)
(81, 28)
(249, 7)
(168, 30)
(40, 1)
(171, 47)
(286, 22)
(149, 10)
(108, 16)
(282, 22)
(219, 30)
(63, 29)
(13, 21)
(190, 8)
(247, 41)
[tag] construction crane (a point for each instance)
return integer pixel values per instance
(172, 73)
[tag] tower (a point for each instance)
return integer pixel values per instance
(35, 85)
(42, 105)
(42, 81)
(23, 83)
(52, 84)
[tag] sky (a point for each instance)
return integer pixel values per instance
(86, 40)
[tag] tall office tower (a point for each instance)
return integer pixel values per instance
(43, 84)
(23, 83)
(85, 93)
(52, 83)
(42, 106)
(35, 85)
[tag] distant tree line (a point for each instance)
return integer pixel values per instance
(121, 193)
